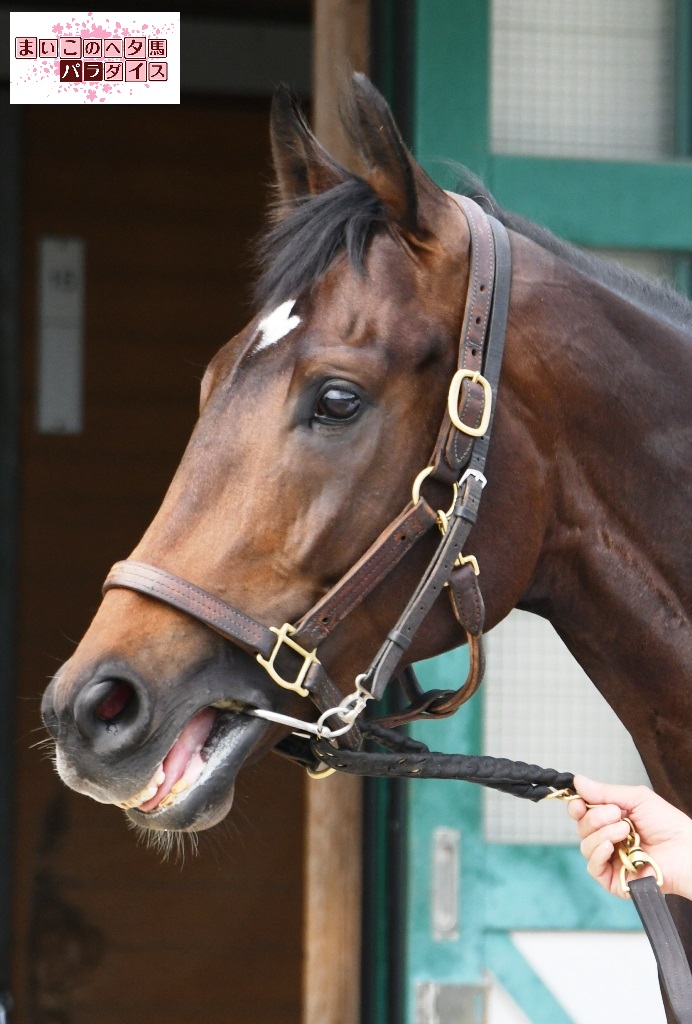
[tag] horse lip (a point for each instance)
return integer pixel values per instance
(183, 760)
(210, 797)
(183, 764)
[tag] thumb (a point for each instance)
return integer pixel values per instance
(593, 792)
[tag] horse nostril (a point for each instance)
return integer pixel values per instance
(113, 713)
(115, 702)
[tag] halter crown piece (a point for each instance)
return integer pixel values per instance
(289, 653)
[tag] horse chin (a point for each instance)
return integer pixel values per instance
(200, 771)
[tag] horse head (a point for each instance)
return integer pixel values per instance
(314, 422)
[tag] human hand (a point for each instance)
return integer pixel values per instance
(664, 831)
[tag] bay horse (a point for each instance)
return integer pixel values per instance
(314, 421)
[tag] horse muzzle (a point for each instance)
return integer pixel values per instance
(168, 759)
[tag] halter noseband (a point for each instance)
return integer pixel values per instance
(458, 460)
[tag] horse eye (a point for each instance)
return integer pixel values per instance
(337, 404)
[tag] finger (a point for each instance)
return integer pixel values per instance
(626, 797)
(576, 809)
(596, 817)
(600, 857)
(599, 864)
(612, 834)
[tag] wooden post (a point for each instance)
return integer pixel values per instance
(331, 971)
(341, 43)
(331, 978)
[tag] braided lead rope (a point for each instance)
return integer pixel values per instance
(407, 758)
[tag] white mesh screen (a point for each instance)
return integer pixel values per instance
(592, 79)
(646, 261)
(540, 707)
(583, 78)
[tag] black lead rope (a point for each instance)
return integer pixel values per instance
(408, 758)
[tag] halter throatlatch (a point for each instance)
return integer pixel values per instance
(289, 654)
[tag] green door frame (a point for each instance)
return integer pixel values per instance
(615, 207)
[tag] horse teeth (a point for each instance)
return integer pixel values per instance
(180, 787)
(167, 801)
(145, 794)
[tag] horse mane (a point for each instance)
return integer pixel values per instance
(311, 232)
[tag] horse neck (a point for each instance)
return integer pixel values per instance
(615, 570)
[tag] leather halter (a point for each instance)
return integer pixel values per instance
(458, 459)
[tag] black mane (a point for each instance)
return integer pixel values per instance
(309, 237)
(316, 230)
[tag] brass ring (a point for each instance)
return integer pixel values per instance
(415, 490)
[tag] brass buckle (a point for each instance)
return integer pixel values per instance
(443, 525)
(469, 559)
(310, 658)
(453, 401)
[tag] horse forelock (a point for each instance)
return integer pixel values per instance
(311, 233)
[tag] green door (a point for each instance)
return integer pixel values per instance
(502, 931)
(482, 914)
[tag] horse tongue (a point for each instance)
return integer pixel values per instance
(183, 759)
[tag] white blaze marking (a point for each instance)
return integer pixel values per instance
(276, 325)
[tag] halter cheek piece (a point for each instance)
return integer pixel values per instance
(289, 653)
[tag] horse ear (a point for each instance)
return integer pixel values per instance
(303, 167)
(412, 198)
